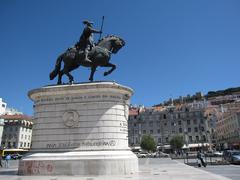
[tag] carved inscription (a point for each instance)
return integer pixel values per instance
(80, 98)
(81, 144)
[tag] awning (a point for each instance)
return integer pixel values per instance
(195, 145)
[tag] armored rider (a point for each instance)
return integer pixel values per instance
(86, 39)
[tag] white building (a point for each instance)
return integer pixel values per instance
(3, 106)
(17, 131)
(2, 111)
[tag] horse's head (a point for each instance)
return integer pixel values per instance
(112, 43)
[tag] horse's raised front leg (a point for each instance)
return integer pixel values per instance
(111, 70)
(93, 69)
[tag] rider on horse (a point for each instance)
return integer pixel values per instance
(86, 39)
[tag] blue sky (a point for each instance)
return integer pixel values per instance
(173, 48)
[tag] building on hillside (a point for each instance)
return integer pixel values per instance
(185, 99)
(17, 131)
(226, 96)
(187, 120)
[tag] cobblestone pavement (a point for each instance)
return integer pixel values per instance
(149, 169)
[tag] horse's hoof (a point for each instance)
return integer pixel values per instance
(91, 80)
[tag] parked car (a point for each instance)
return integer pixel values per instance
(165, 155)
(142, 155)
(234, 157)
(227, 154)
(218, 153)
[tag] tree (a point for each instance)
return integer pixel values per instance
(176, 142)
(148, 143)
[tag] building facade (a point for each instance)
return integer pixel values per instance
(17, 131)
(228, 126)
(187, 120)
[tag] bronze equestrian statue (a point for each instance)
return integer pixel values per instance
(99, 55)
(86, 54)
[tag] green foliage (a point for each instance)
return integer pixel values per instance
(148, 143)
(176, 142)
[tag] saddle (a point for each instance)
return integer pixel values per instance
(73, 52)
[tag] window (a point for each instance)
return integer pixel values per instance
(144, 131)
(3, 105)
(166, 139)
(179, 122)
(197, 138)
(164, 116)
(158, 131)
(188, 122)
(194, 121)
(179, 115)
(151, 131)
(159, 140)
(190, 139)
(189, 129)
(150, 124)
(195, 129)
(204, 138)
(180, 130)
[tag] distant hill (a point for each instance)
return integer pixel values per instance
(228, 91)
(210, 94)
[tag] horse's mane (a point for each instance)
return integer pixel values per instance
(110, 36)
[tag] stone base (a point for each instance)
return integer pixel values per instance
(80, 163)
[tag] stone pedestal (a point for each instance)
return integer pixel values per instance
(80, 129)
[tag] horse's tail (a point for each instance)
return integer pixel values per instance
(54, 73)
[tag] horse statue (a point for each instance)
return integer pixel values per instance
(100, 55)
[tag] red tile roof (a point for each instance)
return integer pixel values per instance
(16, 117)
(133, 112)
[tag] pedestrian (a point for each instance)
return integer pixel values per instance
(1, 160)
(7, 158)
(200, 157)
